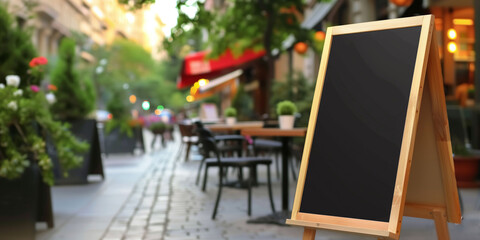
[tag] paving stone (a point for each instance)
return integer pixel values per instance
(167, 204)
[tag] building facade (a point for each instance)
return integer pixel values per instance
(99, 21)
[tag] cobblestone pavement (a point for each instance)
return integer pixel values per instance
(167, 204)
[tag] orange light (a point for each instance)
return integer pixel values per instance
(132, 99)
(320, 35)
(157, 111)
(452, 34)
(109, 116)
(193, 90)
(300, 47)
(190, 98)
(452, 47)
(402, 3)
(463, 21)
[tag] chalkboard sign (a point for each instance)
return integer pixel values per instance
(362, 130)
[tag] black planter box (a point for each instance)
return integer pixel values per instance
(118, 142)
(23, 202)
(85, 130)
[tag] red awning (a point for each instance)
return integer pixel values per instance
(195, 66)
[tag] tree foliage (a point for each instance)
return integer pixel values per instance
(16, 49)
(126, 62)
(75, 95)
(259, 24)
(240, 25)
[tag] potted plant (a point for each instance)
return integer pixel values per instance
(122, 133)
(75, 100)
(158, 129)
(25, 124)
(285, 111)
(467, 165)
(470, 97)
(25, 167)
(231, 115)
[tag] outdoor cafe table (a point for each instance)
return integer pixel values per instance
(285, 135)
(219, 127)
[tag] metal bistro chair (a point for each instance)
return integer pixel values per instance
(209, 147)
(231, 144)
(187, 138)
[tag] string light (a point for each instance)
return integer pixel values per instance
(202, 82)
(452, 34)
(452, 47)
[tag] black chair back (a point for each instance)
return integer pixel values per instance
(209, 147)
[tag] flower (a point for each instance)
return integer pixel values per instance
(50, 98)
(34, 88)
(52, 87)
(38, 61)
(12, 105)
(19, 92)
(2, 85)
(13, 80)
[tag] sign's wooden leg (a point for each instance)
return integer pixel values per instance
(309, 234)
(440, 218)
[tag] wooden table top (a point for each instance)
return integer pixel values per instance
(275, 132)
(236, 126)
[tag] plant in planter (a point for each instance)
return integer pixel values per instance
(122, 132)
(25, 166)
(75, 99)
(25, 124)
(285, 111)
(467, 165)
(230, 115)
(24, 119)
(470, 97)
(76, 95)
(158, 129)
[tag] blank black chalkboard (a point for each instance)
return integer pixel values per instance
(358, 135)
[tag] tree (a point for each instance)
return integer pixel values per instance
(16, 49)
(241, 25)
(75, 95)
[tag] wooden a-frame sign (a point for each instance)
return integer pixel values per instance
(425, 163)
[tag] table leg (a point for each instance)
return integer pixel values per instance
(285, 155)
(280, 217)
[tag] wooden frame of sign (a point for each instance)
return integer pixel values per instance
(425, 161)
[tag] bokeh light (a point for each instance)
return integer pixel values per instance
(132, 99)
(146, 105)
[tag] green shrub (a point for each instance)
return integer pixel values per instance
(286, 108)
(16, 49)
(25, 119)
(120, 111)
(230, 112)
(158, 127)
(75, 96)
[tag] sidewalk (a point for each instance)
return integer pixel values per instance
(85, 211)
(155, 197)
